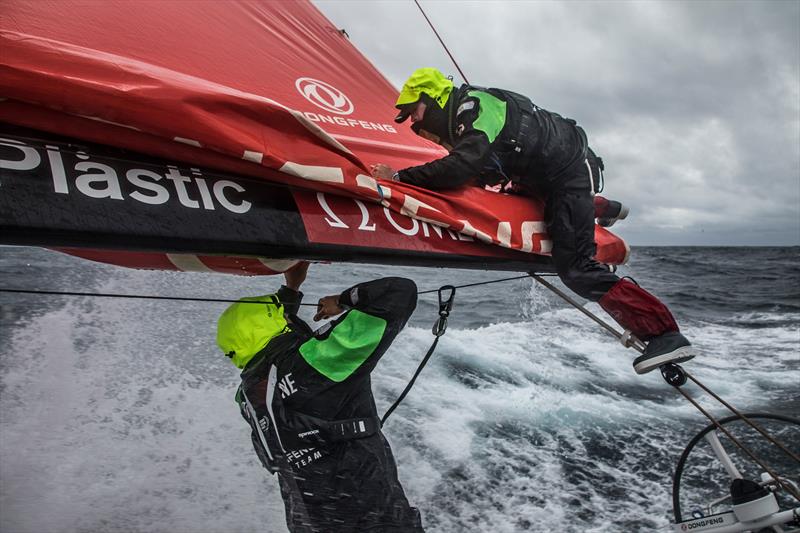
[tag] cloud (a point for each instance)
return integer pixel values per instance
(694, 106)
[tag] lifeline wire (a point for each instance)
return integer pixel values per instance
(212, 300)
(479, 283)
(134, 296)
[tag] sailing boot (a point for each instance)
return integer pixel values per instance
(609, 211)
(669, 347)
(648, 319)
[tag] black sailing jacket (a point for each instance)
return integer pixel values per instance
(495, 136)
(308, 399)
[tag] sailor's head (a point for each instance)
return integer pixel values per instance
(244, 329)
(425, 88)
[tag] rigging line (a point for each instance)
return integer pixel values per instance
(785, 486)
(478, 283)
(411, 382)
(442, 42)
(133, 296)
(632, 341)
(744, 418)
(614, 332)
(446, 300)
(193, 299)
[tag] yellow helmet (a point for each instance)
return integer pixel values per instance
(426, 80)
(244, 329)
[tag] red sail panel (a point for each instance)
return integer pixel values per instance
(268, 89)
(243, 266)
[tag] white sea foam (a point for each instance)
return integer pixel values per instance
(102, 433)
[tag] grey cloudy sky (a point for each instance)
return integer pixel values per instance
(694, 106)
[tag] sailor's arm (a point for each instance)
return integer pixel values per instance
(464, 163)
(290, 298)
(376, 311)
(289, 294)
(391, 299)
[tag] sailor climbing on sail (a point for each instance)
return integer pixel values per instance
(308, 400)
(495, 136)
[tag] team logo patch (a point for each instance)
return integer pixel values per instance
(460, 130)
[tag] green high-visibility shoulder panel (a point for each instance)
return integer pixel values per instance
(492, 116)
(350, 343)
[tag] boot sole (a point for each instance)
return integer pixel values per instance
(644, 364)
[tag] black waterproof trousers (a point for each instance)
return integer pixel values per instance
(569, 215)
(354, 491)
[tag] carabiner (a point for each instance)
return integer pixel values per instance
(445, 306)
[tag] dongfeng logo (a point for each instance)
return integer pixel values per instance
(337, 107)
(324, 95)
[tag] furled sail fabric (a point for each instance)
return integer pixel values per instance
(269, 91)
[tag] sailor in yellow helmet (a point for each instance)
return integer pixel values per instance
(498, 137)
(427, 81)
(309, 403)
(424, 96)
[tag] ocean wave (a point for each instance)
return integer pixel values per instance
(119, 414)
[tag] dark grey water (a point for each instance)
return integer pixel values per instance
(117, 415)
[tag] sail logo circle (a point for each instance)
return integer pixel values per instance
(324, 95)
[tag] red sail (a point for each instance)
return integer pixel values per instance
(270, 90)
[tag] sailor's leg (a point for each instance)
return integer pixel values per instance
(570, 223)
(296, 513)
(608, 211)
(569, 215)
(650, 320)
(638, 311)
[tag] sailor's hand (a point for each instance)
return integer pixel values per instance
(328, 307)
(384, 172)
(296, 275)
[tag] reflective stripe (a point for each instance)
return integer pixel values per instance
(286, 473)
(272, 380)
(254, 418)
(591, 180)
(466, 106)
